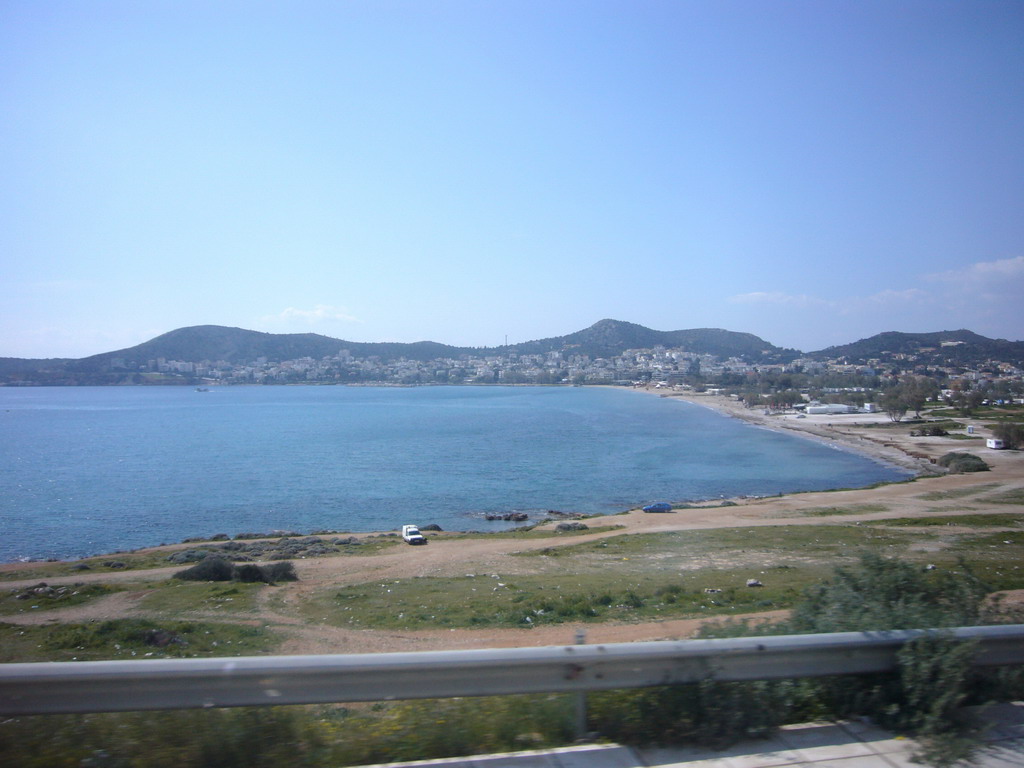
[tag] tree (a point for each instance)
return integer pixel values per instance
(785, 399)
(916, 391)
(1012, 434)
(894, 404)
(964, 398)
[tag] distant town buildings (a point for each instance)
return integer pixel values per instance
(834, 380)
(659, 365)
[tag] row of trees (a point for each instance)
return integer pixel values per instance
(910, 394)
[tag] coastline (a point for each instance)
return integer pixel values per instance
(846, 432)
(284, 608)
(864, 434)
(119, 518)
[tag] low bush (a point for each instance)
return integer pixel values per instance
(208, 569)
(218, 569)
(276, 572)
(298, 737)
(963, 462)
(932, 430)
(923, 698)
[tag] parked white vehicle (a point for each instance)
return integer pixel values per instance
(412, 535)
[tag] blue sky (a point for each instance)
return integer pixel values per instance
(810, 172)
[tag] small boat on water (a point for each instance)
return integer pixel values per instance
(202, 389)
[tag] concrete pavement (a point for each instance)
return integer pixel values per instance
(849, 744)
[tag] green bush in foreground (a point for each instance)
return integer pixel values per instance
(295, 737)
(934, 680)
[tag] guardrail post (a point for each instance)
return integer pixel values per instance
(581, 696)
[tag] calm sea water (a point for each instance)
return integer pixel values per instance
(91, 470)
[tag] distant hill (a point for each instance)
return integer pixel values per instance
(607, 338)
(960, 347)
(236, 345)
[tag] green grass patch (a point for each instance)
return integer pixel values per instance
(691, 549)
(129, 638)
(175, 597)
(958, 493)
(121, 561)
(292, 737)
(42, 598)
(1015, 496)
(853, 509)
(1008, 520)
(135, 561)
(635, 577)
(529, 532)
(995, 558)
(527, 601)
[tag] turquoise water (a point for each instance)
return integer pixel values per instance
(96, 469)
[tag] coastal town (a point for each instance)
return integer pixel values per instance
(660, 365)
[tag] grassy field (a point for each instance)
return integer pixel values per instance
(622, 578)
(669, 575)
(148, 560)
(853, 509)
(1008, 520)
(1008, 497)
(958, 493)
(532, 600)
(129, 638)
(42, 599)
(174, 597)
(529, 533)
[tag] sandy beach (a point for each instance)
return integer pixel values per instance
(448, 556)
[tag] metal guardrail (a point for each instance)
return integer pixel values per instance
(110, 686)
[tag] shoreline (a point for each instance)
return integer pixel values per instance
(836, 430)
(899, 451)
(284, 612)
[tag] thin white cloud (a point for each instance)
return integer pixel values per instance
(321, 313)
(986, 272)
(983, 297)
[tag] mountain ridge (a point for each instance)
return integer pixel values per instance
(605, 338)
(960, 346)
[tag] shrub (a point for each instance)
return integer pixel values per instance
(963, 462)
(934, 677)
(882, 594)
(188, 556)
(248, 573)
(279, 572)
(208, 569)
(708, 713)
(215, 568)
